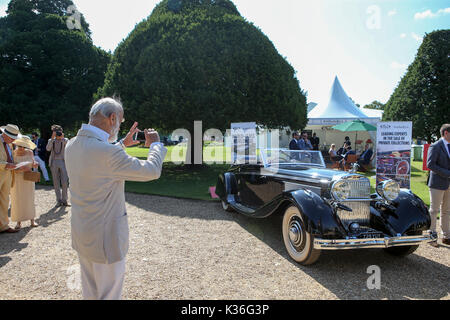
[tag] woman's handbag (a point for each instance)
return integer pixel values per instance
(32, 176)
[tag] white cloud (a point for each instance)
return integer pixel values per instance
(3, 9)
(444, 11)
(392, 13)
(397, 65)
(416, 37)
(403, 35)
(429, 14)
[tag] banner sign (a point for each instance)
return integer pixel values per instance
(394, 140)
(243, 142)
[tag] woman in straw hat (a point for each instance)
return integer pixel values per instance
(22, 193)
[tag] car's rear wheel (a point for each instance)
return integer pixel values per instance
(298, 241)
(401, 251)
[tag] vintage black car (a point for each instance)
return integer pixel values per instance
(325, 209)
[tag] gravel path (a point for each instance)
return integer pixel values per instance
(182, 249)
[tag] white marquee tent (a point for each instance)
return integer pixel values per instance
(339, 109)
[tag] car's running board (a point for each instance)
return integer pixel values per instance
(240, 208)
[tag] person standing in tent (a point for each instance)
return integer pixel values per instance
(315, 141)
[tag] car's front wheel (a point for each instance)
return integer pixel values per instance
(298, 241)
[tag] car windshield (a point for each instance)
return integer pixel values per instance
(292, 158)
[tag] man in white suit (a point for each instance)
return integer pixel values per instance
(97, 170)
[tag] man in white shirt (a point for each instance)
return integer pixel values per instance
(97, 171)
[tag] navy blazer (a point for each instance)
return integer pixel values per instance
(294, 145)
(438, 162)
(304, 145)
(41, 145)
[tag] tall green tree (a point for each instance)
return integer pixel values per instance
(423, 94)
(48, 71)
(201, 60)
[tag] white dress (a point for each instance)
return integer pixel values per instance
(22, 194)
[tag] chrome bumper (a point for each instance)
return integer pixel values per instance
(325, 244)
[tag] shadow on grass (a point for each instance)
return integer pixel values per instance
(181, 182)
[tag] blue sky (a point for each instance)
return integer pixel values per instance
(367, 44)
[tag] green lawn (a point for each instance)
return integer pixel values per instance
(210, 154)
(177, 181)
(418, 181)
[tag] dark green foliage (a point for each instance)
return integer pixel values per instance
(48, 73)
(423, 94)
(200, 60)
(377, 105)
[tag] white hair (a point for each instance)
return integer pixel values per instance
(106, 107)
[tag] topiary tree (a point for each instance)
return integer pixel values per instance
(48, 72)
(423, 94)
(201, 60)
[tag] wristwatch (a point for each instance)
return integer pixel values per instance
(122, 144)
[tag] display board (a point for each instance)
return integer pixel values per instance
(394, 140)
(243, 142)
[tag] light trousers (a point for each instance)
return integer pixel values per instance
(101, 281)
(60, 180)
(42, 167)
(440, 201)
(5, 189)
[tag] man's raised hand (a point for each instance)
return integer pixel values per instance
(129, 140)
(151, 136)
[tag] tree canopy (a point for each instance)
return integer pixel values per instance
(423, 94)
(201, 60)
(377, 105)
(48, 72)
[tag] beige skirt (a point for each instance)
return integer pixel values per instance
(22, 199)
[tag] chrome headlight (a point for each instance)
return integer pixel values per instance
(388, 190)
(341, 190)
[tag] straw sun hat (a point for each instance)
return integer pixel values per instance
(11, 131)
(25, 142)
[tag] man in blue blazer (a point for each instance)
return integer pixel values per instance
(39, 154)
(438, 162)
(304, 143)
(293, 145)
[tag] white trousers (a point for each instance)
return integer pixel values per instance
(42, 166)
(101, 281)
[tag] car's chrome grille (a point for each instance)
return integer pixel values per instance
(360, 213)
(359, 188)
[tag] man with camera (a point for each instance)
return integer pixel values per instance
(304, 143)
(98, 170)
(56, 146)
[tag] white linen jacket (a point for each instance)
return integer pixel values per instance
(97, 172)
